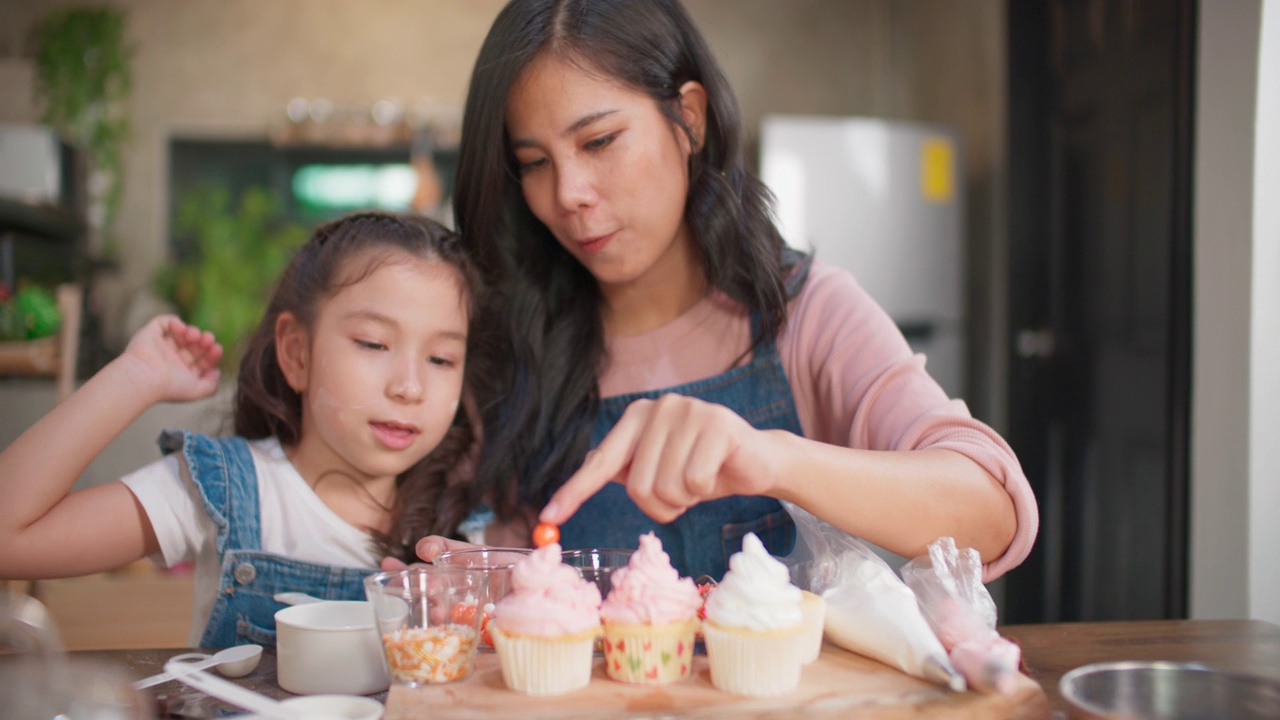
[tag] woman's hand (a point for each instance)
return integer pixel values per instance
(671, 454)
(173, 360)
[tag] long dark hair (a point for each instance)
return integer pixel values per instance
(538, 411)
(434, 495)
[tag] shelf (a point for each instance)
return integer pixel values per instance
(54, 356)
(29, 357)
(41, 221)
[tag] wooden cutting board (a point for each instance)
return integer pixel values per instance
(838, 683)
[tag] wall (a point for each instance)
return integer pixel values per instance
(1264, 406)
(1235, 489)
(228, 68)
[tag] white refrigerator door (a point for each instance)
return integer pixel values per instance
(882, 200)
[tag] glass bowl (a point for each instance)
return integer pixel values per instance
(496, 563)
(598, 564)
(428, 619)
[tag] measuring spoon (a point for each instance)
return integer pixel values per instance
(235, 661)
(229, 692)
(324, 707)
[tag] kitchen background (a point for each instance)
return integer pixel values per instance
(227, 71)
(210, 74)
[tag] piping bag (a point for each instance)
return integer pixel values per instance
(870, 610)
(948, 584)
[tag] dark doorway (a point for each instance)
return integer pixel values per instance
(1100, 297)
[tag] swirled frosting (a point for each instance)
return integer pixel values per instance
(649, 590)
(548, 598)
(756, 593)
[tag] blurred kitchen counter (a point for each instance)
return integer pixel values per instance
(136, 606)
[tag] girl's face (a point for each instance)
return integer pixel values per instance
(605, 171)
(381, 372)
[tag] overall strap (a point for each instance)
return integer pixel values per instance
(223, 471)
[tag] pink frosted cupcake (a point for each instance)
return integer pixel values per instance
(754, 625)
(545, 629)
(650, 619)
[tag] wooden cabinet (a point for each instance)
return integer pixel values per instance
(134, 607)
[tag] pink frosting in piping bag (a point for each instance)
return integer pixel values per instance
(548, 598)
(649, 590)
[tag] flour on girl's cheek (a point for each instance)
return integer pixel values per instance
(325, 400)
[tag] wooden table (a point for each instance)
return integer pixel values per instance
(1049, 651)
(840, 684)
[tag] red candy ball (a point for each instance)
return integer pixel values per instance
(545, 534)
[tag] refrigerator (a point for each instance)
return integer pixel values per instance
(882, 199)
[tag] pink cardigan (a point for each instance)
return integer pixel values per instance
(855, 381)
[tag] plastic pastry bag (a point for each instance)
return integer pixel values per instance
(870, 610)
(948, 584)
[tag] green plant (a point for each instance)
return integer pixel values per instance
(29, 313)
(229, 261)
(83, 79)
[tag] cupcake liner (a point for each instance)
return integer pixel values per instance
(813, 609)
(756, 664)
(649, 654)
(545, 665)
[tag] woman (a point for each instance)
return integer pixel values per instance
(649, 311)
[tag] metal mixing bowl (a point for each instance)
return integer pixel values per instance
(1167, 691)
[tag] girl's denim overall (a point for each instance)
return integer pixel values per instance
(244, 611)
(701, 540)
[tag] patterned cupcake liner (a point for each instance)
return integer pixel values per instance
(649, 654)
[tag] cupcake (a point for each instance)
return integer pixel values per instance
(754, 625)
(650, 618)
(813, 610)
(545, 629)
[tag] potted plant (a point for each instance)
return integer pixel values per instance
(83, 80)
(227, 260)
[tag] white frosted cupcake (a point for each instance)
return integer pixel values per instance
(754, 625)
(545, 629)
(813, 610)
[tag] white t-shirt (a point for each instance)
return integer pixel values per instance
(309, 531)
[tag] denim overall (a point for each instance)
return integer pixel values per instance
(244, 611)
(701, 540)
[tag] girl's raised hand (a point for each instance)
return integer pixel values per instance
(671, 454)
(174, 360)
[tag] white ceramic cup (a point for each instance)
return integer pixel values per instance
(329, 647)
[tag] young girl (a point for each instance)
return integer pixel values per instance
(652, 312)
(348, 426)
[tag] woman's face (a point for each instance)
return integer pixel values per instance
(605, 171)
